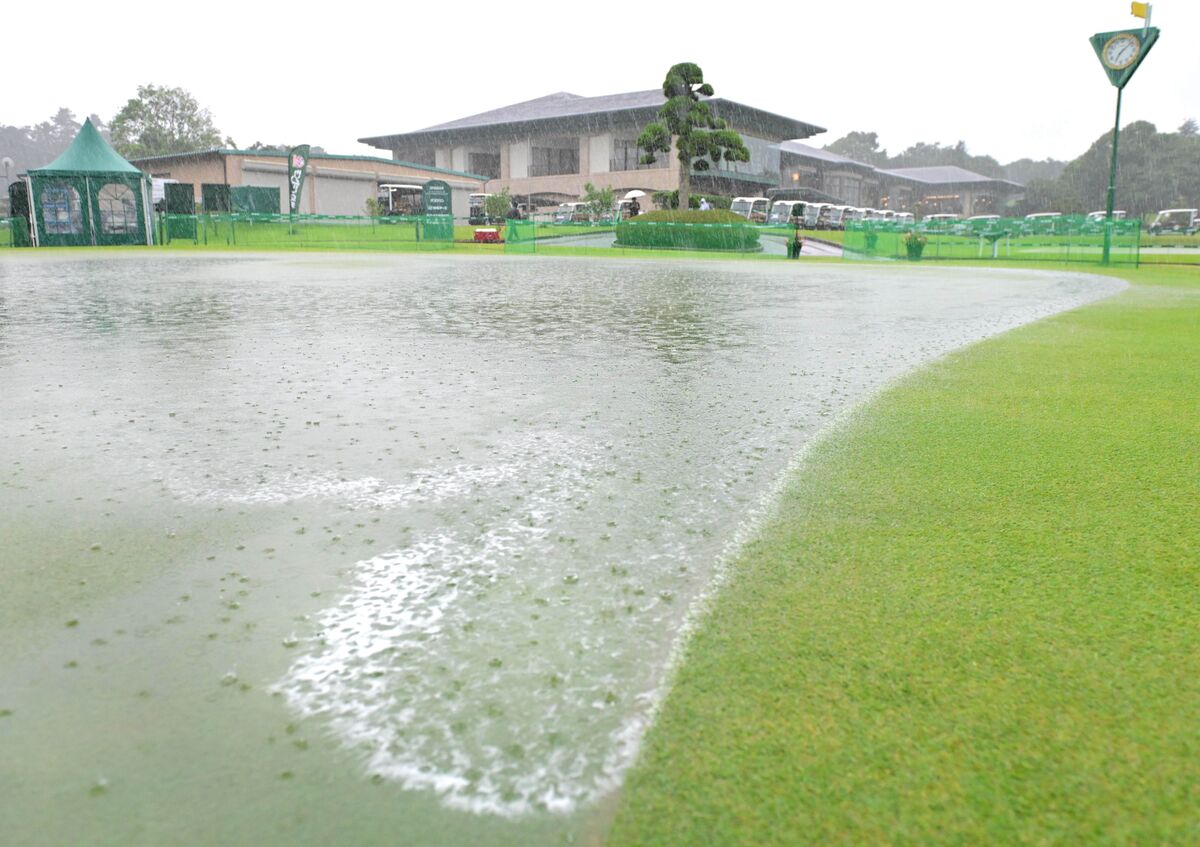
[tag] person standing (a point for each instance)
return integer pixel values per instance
(796, 244)
(635, 208)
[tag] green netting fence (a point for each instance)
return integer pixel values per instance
(255, 199)
(268, 231)
(14, 232)
(520, 236)
(1068, 238)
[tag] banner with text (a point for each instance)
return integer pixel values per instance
(297, 162)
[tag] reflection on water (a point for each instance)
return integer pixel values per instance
(426, 523)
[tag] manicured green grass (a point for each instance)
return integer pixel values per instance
(833, 236)
(1085, 249)
(1170, 240)
(973, 617)
(1174, 258)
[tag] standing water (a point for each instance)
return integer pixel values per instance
(311, 550)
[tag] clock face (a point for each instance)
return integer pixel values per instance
(1121, 51)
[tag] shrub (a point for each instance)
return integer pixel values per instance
(689, 230)
(914, 245)
(496, 206)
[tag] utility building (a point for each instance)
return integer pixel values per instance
(334, 185)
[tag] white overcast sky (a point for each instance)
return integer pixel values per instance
(1013, 80)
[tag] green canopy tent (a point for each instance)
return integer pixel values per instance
(88, 196)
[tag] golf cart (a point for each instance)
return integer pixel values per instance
(1182, 221)
(753, 209)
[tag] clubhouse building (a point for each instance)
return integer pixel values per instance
(546, 149)
(924, 191)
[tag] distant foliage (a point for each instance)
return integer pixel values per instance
(34, 146)
(1156, 170)
(670, 200)
(700, 136)
(497, 205)
(864, 147)
(922, 155)
(1049, 195)
(1026, 171)
(599, 200)
(163, 120)
(861, 147)
(282, 148)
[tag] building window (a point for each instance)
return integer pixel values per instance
(60, 210)
(424, 156)
(118, 209)
(627, 156)
(484, 164)
(554, 156)
(764, 159)
(845, 187)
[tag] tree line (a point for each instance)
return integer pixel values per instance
(157, 121)
(1156, 170)
(37, 145)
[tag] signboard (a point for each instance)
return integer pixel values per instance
(297, 159)
(1122, 52)
(435, 198)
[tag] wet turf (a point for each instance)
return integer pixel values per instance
(973, 617)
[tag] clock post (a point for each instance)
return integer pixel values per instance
(1121, 53)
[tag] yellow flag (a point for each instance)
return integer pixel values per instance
(1139, 10)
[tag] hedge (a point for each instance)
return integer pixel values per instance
(689, 230)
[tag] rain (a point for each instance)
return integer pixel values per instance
(399, 543)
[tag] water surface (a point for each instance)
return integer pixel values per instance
(328, 549)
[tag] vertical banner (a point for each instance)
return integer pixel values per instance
(297, 160)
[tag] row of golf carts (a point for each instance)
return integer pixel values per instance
(829, 216)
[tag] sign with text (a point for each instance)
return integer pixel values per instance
(435, 198)
(297, 160)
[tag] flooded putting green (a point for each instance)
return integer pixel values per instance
(396, 549)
